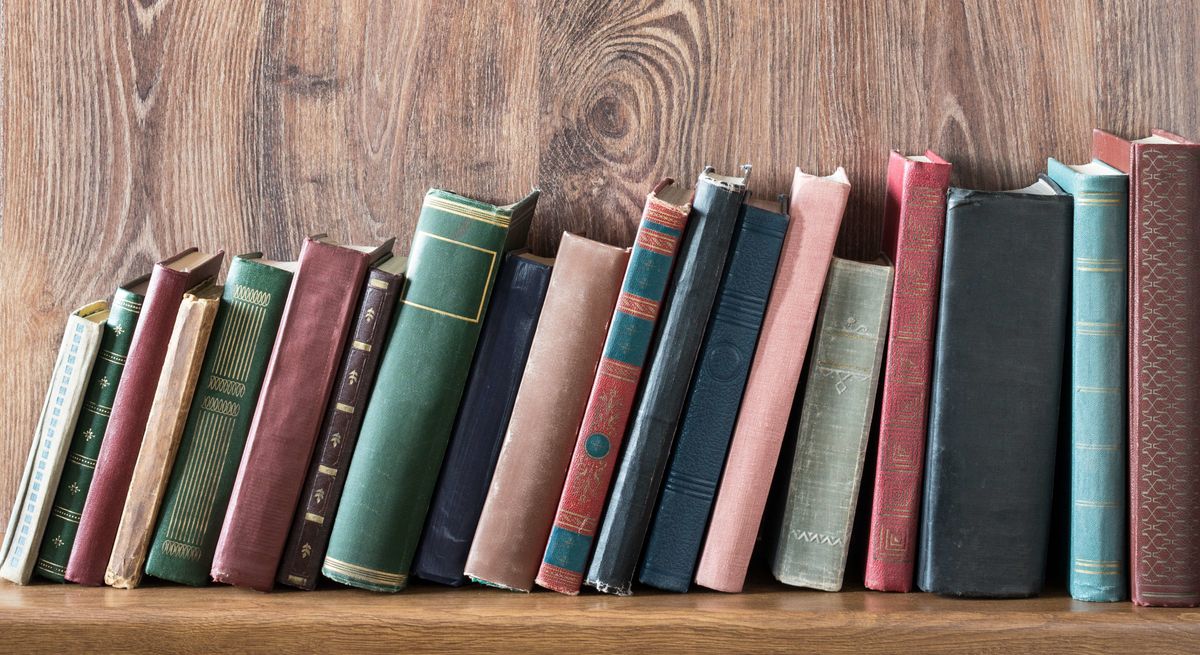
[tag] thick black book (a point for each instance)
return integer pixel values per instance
(482, 421)
(664, 387)
(993, 416)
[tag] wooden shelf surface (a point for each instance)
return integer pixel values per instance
(57, 618)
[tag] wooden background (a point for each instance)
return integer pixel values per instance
(134, 129)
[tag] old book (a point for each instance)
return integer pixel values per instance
(660, 234)
(994, 409)
(1164, 363)
(131, 407)
(690, 482)
(482, 419)
(914, 225)
(835, 421)
(172, 398)
(210, 449)
(58, 537)
(279, 445)
(815, 214)
(1099, 445)
(686, 315)
(309, 535)
(515, 522)
(51, 439)
(457, 250)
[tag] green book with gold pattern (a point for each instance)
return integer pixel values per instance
(210, 449)
(59, 535)
(456, 252)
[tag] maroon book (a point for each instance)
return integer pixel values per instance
(312, 333)
(131, 407)
(1164, 363)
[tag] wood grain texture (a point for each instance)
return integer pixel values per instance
(133, 129)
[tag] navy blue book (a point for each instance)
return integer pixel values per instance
(483, 415)
(711, 407)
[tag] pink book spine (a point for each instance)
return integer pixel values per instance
(914, 228)
(815, 213)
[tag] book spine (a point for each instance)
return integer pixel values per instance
(608, 409)
(693, 290)
(815, 213)
(457, 250)
(59, 533)
(243, 335)
(516, 518)
(283, 433)
(915, 218)
(677, 530)
(172, 398)
(343, 418)
(482, 421)
(835, 420)
(51, 438)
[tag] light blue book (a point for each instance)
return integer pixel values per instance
(1099, 440)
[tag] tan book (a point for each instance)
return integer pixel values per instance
(172, 398)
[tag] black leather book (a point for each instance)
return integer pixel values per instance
(664, 386)
(482, 420)
(993, 416)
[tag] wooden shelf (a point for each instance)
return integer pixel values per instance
(57, 618)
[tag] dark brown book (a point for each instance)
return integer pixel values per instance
(312, 333)
(123, 439)
(309, 536)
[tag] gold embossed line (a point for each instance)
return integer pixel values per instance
(467, 211)
(365, 574)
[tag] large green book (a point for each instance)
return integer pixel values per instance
(456, 252)
(59, 535)
(219, 419)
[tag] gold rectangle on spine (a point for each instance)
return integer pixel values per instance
(315, 518)
(331, 472)
(359, 345)
(343, 407)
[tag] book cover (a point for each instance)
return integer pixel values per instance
(835, 420)
(279, 444)
(51, 439)
(58, 537)
(914, 228)
(1098, 570)
(243, 334)
(815, 214)
(482, 419)
(515, 522)
(172, 397)
(309, 535)
(457, 250)
(994, 409)
(598, 443)
(131, 407)
(677, 530)
(1164, 308)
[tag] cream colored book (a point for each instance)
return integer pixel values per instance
(160, 441)
(51, 439)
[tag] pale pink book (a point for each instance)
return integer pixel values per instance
(815, 213)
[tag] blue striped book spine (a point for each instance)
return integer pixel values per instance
(1099, 441)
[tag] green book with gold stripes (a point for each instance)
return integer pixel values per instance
(456, 252)
(210, 449)
(59, 534)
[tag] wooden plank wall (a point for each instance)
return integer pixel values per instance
(135, 129)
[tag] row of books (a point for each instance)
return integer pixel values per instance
(621, 415)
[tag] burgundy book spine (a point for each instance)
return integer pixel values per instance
(914, 228)
(131, 408)
(283, 433)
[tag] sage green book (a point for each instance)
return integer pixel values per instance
(456, 252)
(210, 449)
(59, 535)
(835, 421)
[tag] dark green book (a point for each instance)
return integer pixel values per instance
(59, 535)
(211, 446)
(456, 252)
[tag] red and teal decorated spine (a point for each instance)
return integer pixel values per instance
(612, 396)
